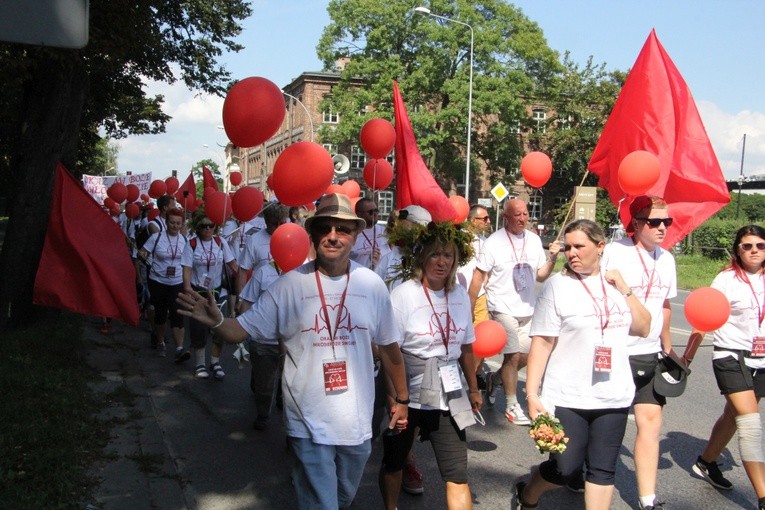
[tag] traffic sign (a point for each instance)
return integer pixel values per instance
(499, 192)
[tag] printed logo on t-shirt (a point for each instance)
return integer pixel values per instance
(438, 321)
(324, 326)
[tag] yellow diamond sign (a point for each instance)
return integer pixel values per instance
(499, 192)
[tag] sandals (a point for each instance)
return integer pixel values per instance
(521, 504)
(201, 372)
(217, 371)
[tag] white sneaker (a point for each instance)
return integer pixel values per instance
(516, 415)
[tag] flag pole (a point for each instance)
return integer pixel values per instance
(560, 229)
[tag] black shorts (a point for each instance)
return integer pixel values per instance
(438, 427)
(643, 369)
(733, 376)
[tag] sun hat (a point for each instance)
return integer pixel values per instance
(671, 376)
(336, 206)
(415, 214)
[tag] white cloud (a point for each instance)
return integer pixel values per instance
(726, 131)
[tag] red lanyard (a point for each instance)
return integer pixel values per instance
(645, 270)
(760, 307)
(174, 251)
(208, 256)
(325, 311)
(607, 312)
(523, 247)
(373, 243)
(444, 337)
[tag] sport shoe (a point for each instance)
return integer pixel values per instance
(217, 371)
(411, 479)
(516, 416)
(710, 472)
(520, 505)
(577, 484)
(490, 387)
(161, 350)
(656, 506)
(201, 372)
(181, 355)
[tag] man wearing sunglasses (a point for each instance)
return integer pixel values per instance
(650, 272)
(371, 243)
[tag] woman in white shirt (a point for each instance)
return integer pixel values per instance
(738, 361)
(434, 316)
(579, 345)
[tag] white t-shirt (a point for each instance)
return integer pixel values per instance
(512, 263)
(262, 278)
(652, 273)
(744, 321)
(420, 325)
(567, 311)
(291, 310)
(367, 239)
(207, 259)
(386, 269)
(465, 273)
(257, 251)
(165, 254)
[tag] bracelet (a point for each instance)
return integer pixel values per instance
(474, 391)
(628, 293)
(529, 395)
(220, 323)
(403, 401)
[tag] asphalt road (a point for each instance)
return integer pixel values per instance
(215, 460)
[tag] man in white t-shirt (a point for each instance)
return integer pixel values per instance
(511, 262)
(371, 243)
(257, 250)
(164, 204)
(327, 313)
(650, 272)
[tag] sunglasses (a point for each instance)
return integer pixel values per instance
(323, 229)
(482, 218)
(206, 225)
(655, 222)
(371, 211)
(749, 246)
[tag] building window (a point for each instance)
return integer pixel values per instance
(331, 148)
(385, 204)
(358, 158)
(539, 117)
(515, 128)
(330, 116)
(565, 121)
(535, 207)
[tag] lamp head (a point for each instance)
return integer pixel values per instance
(421, 9)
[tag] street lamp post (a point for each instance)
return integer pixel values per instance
(308, 113)
(426, 11)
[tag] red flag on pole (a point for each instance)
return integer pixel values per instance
(186, 192)
(85, 265)
(655, 112)
(208, 179)
(415, 184)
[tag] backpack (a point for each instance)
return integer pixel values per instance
(142, 234)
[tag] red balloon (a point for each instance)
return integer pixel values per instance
(253, 111)
(378, 138)
(270, 181)
(706, 309)
(132, 192)
(334, 188)
(115, 211)
(145, 197)
(462, 207)
(351, 188)
(132, 211)
(638, 172)
(289, 246)
(490, 338)
(235, 178)
(109, 202)
(378, 174)
(153, 214)
(354, 201)
(117, 192)
(217, 207)
(247, 203)
(536, 169)
(157, 188)
(302, 173)
(172, 185)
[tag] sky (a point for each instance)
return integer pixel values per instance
(718, 47)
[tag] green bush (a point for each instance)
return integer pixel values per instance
(714, 238)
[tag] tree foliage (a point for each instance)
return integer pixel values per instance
(56, 102)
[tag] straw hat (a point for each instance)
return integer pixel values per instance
(335, 206)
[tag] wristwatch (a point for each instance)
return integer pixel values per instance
(404, 401)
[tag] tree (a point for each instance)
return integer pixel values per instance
(512, 66)
(56, 100)
(196, 171)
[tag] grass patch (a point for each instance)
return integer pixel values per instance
(49, 434)
(694, 271)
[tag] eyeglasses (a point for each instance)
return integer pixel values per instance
(371, 211)
(482, 218)
(655, 222)
(323, 229)
(206, 225)
(749, 246)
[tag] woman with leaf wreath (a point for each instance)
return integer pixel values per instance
(434, 316)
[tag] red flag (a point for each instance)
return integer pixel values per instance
(655, 112)
(415, 184)
(85, 265)
(208, 179)
(191, 192)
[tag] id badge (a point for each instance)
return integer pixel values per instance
(170, 272)
(758, 347)
(206, 281)
(450, 377)
(602, 358)
(521, 276)
(335, 376)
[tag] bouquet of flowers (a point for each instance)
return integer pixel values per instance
(548, 434)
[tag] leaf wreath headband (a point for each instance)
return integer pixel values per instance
(412, 239)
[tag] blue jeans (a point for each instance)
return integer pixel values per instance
(326, 477)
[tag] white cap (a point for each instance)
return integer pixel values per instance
(415, 214)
